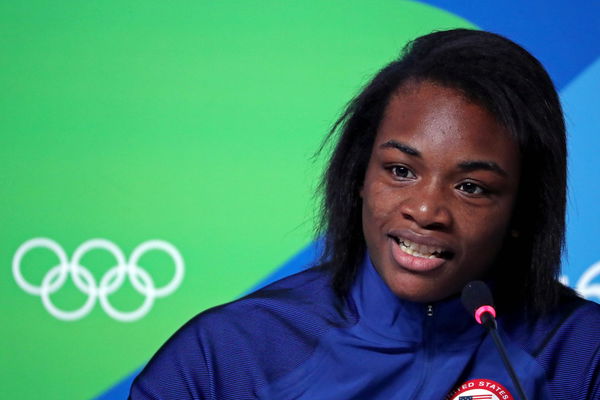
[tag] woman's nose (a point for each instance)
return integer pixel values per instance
(428, 206)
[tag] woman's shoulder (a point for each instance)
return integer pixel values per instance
(573, 318)
(570, 352)
(566, 343)
(253, 339)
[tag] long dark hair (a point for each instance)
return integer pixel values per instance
(509, 82)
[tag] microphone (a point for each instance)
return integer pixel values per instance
(477, 299)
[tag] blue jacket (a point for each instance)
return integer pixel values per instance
(296, 340)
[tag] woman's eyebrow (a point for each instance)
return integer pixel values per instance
(411, 151)
(468, 166)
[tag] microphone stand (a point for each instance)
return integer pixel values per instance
(489, 322)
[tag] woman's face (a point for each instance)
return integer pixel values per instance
(439, 192)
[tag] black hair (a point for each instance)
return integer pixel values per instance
(501, 76)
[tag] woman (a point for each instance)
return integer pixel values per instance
(450, 166)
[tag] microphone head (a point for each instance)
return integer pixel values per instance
(476, 295)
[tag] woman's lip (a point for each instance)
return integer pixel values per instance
(420, 239)
(414, 263)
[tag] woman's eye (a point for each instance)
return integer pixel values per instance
(472, 188)
(402, 172)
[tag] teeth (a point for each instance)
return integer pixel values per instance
(419, 250)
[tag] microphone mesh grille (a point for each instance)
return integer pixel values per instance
(476, 294)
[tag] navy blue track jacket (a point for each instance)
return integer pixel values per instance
(294, 339)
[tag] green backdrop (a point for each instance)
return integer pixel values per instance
(192, 122)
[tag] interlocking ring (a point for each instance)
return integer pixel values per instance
(585, 286)
(110, 282)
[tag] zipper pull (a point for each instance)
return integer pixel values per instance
(430, 310)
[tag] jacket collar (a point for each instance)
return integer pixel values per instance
(380, 311)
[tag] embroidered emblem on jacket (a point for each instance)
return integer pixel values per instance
(480, 389)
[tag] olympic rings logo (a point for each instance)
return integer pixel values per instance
(109, 283)
(585, 285)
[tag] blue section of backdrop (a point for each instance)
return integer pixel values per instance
(581, 99)
(550, 30)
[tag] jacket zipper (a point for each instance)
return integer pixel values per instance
(428, 347)
(430, 310)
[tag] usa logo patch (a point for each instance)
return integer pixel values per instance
(480, 389)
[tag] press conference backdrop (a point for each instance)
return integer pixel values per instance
(156, 159)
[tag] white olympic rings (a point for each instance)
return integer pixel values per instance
(109, 283)
(585, 286)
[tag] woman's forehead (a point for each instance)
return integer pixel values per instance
(439, 121)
